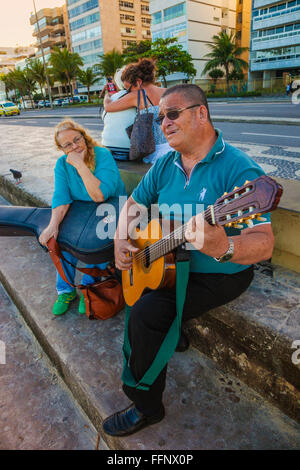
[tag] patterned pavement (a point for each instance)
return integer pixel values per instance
(32, 151)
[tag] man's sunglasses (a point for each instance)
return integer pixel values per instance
(174, 114)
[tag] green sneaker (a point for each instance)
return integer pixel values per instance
(62, 304)
(81, 307)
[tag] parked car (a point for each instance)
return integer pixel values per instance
(80, 98)
(57, 102)
(8, 108)
(65, 101)
(44, 104)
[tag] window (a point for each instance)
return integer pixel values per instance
(127, 17)
(87, 34)
(146, 20)
(156, 17)
(85, 21)
(126, 4)
(83, 8)
(144, 8)
(174, 12)
(126, 42)
(97, 44)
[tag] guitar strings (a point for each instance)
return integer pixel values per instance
(154, 251)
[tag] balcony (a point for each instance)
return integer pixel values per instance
(131, 34)
(126, 21)
(290, 15)
(277, 63)
(292, 38)
(123, 8)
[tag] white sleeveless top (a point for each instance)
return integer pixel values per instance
(114, 133)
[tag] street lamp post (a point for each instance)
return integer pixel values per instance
(44, 62)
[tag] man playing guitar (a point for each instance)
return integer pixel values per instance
(200, 169)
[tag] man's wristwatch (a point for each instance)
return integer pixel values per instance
(229, 253)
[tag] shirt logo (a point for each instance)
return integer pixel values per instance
(202, 194)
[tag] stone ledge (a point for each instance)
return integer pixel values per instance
(252, 336)
(209, 408)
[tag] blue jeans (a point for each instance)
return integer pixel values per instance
(62, 286)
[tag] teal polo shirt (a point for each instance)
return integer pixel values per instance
(70, 187)
(167, 184)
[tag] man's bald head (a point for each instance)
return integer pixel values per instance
(192, 94)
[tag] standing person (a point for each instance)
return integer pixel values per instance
(200, 169)
(288, 89)
(86, 172)
(110, 87)
(135, 77)
(114, 135)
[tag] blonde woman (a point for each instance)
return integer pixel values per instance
(86, 172)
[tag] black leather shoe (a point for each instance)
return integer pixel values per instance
(129, 421)
(183, 343)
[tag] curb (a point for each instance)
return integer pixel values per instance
(239, 119)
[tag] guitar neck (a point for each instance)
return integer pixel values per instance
(171, 241)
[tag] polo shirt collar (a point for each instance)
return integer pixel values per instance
(216, 150)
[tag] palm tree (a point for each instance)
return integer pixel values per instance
(215, 74)
(109, 63)
(87, 78)
(26, 83)
(7, 83)
(65, 66)
(37, 71)
(224, 53)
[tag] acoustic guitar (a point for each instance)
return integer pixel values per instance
(154, 264)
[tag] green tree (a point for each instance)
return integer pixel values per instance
(7, 83)
(88, 78)
(170, 58)
(38, 73)
(65, 66)
(215, 74)
(109, 63)
(26, 83)
(224, 53)
(136, 50)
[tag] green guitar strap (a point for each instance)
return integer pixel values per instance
(170, 342)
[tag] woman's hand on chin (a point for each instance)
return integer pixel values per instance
(76, 159)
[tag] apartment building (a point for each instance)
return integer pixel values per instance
(54, 30)
(98, 26)
(275, 40)
(193, 23)
(9, 56)
(243, 26)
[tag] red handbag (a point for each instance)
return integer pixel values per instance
(104, 298)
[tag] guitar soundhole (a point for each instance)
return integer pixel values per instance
(147, 258)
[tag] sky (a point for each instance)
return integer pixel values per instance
(15, 28)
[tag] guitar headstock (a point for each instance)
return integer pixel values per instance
(243, 204)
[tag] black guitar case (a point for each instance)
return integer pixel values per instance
(86, 232)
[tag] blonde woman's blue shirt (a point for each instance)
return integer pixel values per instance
(70, 187)
(166, 184)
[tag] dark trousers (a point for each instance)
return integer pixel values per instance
(153, 314)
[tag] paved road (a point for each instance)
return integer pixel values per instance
(262, 134)
(238, 108)
(275, 147)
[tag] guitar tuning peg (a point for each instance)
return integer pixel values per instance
(229, 225)
(249, 223)
(261, 219)
(236, 187)
(246, 182)
(225, 193)
(238, 226)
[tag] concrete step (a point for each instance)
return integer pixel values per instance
(37, 411)
(206, 407)
(253, 336)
